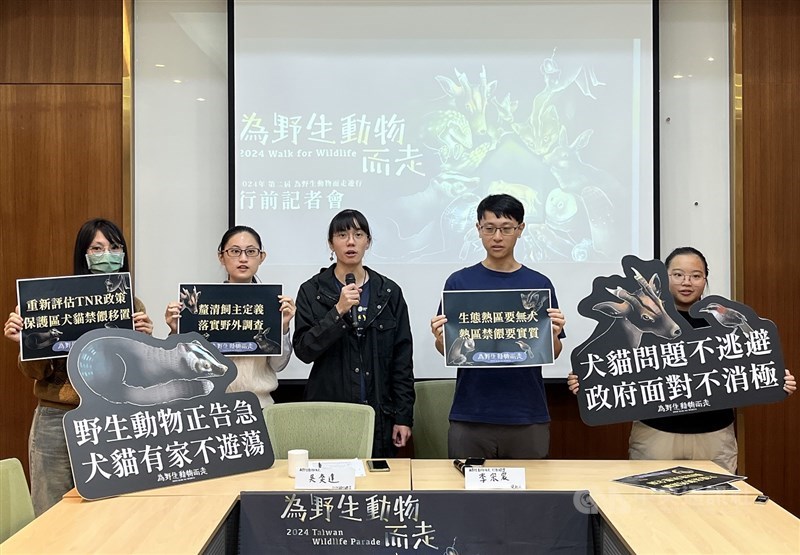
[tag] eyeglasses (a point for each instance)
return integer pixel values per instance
(678, 277)
(236, 252)
(97, 249)
(490, 230)
(357, 234)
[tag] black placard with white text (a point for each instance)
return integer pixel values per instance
(508, 327)
(155, 413)
(644, 360)
(238, 319)
(56, 311)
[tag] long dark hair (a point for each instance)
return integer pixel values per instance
(85, 237)
(346, 220)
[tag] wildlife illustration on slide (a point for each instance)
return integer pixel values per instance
(419, 144)
(644, 360)
(573, 209)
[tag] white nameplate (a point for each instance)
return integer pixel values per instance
(341, 478)
(356, 464)
(483, 477)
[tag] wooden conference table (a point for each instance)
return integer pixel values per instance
(559, 475)
(186, 518)
(641, 521)
(194, 518)
(275, 479)
(698, 523)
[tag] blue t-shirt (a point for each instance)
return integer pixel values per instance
(504, 395)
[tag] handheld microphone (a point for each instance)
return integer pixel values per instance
(351, 279)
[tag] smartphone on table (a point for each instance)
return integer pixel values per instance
(378, 465)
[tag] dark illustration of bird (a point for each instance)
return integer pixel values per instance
(728, 317)
(526, 348)
(452, 549)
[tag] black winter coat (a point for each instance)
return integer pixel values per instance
(383, 353)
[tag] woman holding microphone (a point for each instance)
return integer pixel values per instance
(352, 325)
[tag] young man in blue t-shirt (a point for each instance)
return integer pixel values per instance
(500, 413)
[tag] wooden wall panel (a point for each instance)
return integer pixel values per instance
(60, 164)
(770, 68)
(60, 156)
(570, 438)
(60, 41)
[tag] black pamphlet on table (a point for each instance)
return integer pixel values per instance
(679, 480)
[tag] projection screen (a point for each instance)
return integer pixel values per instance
(412, 111)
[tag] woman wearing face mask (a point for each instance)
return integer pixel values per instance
(352, 324)
(100, 248)
(700, 436)
(240, 252)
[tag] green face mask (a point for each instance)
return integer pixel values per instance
(105, 263)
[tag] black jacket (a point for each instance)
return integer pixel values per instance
(382, 356)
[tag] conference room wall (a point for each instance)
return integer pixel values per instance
(181, 156)
(767, 185)
(771, 171)
(188, 139)
(60, 156)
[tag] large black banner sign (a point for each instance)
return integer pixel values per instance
(455, 523)
(644, 360)
(508, 327)
(238, 319)
(155, 413)
(58, 310)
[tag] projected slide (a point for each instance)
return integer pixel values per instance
(414, 113)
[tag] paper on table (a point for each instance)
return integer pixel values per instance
(356, 464)
(679, 480)
(719, 488)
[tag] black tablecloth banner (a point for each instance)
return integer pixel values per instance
(485, 522)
